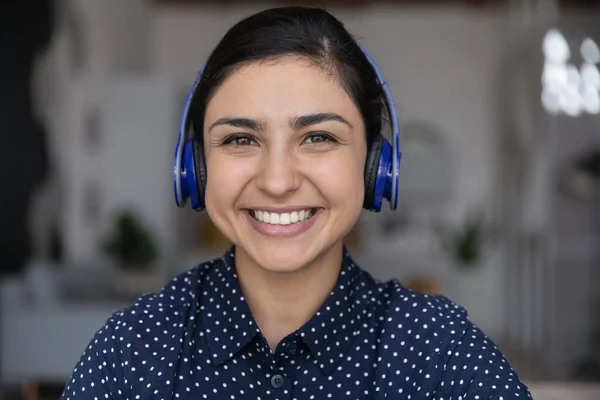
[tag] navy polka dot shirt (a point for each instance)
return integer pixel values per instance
(197, 339)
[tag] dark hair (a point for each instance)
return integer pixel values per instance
(310, 33)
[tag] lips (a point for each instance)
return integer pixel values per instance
(283, 218)
(282, 223)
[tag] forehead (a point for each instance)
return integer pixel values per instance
(281, 88)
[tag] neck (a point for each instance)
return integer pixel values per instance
(281, 302)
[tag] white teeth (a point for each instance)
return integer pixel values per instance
(294, 217)
(275, 219)
(283, 218)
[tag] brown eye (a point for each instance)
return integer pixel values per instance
(240, 140)
(315, 138)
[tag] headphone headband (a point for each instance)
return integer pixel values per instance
(385, 181)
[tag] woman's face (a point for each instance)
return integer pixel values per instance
(285, 153)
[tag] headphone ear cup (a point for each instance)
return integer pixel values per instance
(371, 170)
(200, 168)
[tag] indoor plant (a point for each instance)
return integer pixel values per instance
(134, 252)
(464, 244)
(475, 279)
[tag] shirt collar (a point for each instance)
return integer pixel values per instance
(229, 325)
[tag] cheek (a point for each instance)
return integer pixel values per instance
(340, 179)
(225, 181)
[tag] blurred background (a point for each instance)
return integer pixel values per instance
(499, 102)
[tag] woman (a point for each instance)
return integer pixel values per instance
(286, 115)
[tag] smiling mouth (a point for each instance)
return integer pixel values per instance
(287, 218)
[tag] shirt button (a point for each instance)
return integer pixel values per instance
(277, 381)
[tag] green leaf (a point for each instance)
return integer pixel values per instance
(130, 245)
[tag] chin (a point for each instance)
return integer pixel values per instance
(286, 257)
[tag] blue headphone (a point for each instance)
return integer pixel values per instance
(381, 170)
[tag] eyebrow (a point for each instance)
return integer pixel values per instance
(245, 123)
(296, 123)
(313, 119)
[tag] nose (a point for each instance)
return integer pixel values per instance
(278, 175)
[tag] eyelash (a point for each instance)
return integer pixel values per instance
(326, 136)
(231, 140)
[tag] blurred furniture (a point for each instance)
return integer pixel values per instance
(44, 343)
(49, 314)
(47, 318)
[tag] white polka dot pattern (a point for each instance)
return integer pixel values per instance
(197, 339)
